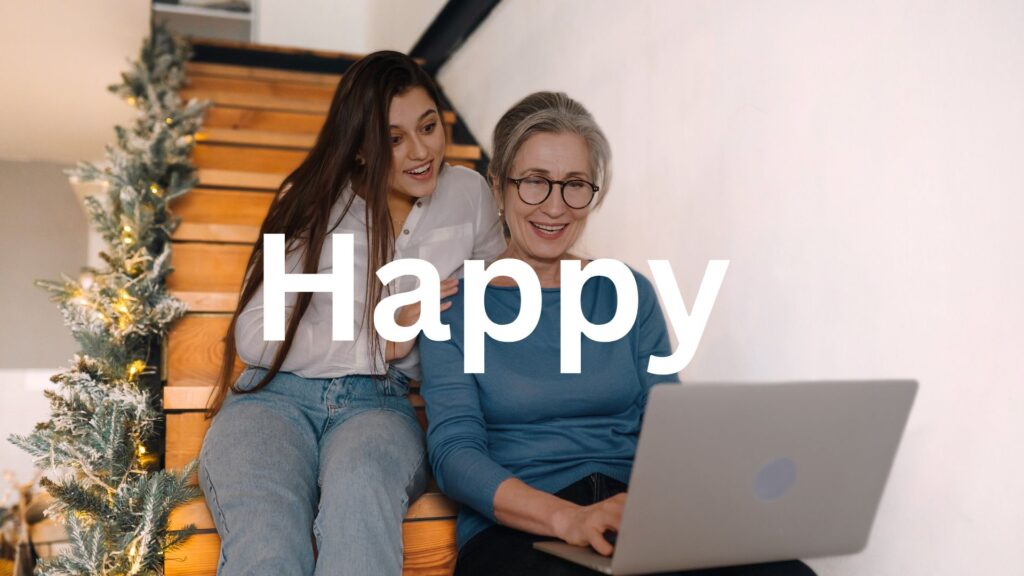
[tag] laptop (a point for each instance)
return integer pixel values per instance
(731, 474)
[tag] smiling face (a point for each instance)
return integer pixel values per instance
(542, 234)
(417, 143)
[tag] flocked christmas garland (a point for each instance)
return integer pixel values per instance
(94, 447)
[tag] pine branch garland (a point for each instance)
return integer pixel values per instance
(116, 509)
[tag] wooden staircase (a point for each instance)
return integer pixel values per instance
(260, 127)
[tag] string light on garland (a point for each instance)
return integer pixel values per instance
(78, 298)
(169, 121)
(147, 459)
(136, 368)
(86, 279)
(156, 190)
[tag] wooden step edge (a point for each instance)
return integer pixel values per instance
(240, 179)
(186, 396)
(430, 506)
(207, 301)
(210, 232)
(259, 73)
(189, 394)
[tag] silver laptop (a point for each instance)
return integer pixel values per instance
(729, 474)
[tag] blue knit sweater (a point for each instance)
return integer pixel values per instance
(523, 417)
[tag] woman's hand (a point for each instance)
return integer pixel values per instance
(585, 525)
(410, 314)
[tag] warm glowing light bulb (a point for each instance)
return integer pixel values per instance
(136, 368)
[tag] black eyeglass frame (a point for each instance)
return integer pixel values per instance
(561, 186)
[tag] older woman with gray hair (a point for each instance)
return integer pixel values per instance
(532, 453)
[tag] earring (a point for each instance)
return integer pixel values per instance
(360, 160)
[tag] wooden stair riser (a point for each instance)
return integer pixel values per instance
(201, 267)
(247, 158)
(280, 160)
(195, 347)
(198, 69)
(429, 506)
(262, 87)
(237, 118)
(240, 118)
(221, 215)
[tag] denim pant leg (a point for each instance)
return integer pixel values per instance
(372, 465)
(258, 470)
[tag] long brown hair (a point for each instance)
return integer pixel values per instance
(356, 124)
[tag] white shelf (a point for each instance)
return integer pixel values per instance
(199, 11)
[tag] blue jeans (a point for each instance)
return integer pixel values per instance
(340, 457)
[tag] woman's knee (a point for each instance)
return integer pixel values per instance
(375, 456)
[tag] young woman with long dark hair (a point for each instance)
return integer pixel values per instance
(318, 435)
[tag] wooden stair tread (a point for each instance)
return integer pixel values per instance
(201, 69)
(240, 179)
(224, 302)
(193, 398)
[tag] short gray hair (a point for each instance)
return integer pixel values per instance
(551, 112)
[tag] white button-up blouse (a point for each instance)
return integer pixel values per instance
(459, 221)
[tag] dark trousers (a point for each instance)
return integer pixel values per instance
(503, 551)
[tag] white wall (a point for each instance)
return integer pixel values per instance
(42, 235)
(354, 26)
(860, 165)
(57, 58)
(398, 24)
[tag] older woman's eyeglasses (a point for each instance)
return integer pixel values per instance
(535, 190)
